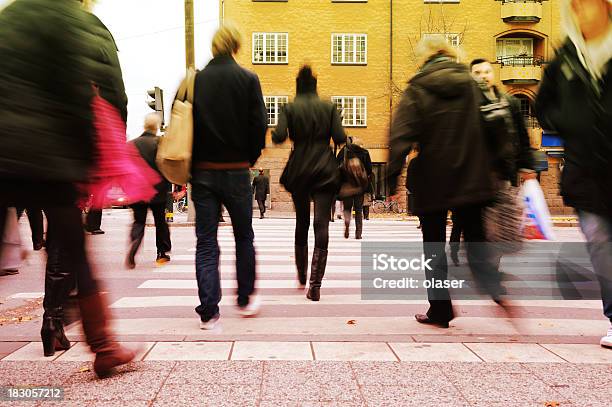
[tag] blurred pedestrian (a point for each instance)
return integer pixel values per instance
(147, 147)
(355, 150)
(575, 99)
(46, 132)
(12, 253)
(368, 198)
(311, 172)
(261, 188)
(35, 218)
(439, 110)
(230, 124)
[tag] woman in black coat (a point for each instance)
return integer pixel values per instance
(311, 172)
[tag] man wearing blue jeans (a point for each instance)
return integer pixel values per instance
(230, 124)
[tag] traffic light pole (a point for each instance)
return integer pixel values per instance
(189, 63)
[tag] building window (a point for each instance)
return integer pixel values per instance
(349, 49)
(353, 110)
(516, 52)
(527, 110)
(452, 39)
(273, 106)
(270, 48)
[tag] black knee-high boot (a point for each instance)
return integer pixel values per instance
(317, 271)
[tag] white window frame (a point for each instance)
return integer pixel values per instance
(503, 42)
(278, 101)
(354, 38)
(266, 36)
(454, 39)
(351, 120)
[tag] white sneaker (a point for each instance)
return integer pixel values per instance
(606, 341)
(251, 309)
(210, 324)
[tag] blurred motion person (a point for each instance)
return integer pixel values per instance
(261, 188)
(575, 99)
(311, 173)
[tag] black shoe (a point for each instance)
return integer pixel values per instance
(162, 258)
(424, 319)
(52, 335)
(97, 232)
(317, 271)
(130, 260)
(38, 246)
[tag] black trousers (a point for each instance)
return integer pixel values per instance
(455, 238)
(35, 217)
(93, 220)
(58, 201)
(355, 202)
(262, 206)
(478, 254)
(322, 203)
(162, 232)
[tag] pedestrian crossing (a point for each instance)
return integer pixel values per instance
(162, 301)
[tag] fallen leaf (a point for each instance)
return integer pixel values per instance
(84, 369)
(351, 322)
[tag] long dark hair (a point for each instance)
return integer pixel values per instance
(306, 82)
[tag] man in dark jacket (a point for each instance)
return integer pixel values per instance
(147, 147)
(354, 150)
(440, 111)
(230, 124)
(575, 99)
(109, 80)
(261, 188)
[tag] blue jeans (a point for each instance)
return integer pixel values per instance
(210, 190)
(598, 232)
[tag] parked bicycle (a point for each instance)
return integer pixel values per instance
(382, 205)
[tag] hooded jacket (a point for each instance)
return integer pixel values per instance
(439, 111)
(577, 105)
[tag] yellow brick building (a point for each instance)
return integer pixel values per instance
(363, 54)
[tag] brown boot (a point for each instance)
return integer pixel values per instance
(317, 271)
(109, 354)
(301, 263)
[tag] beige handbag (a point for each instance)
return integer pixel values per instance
(175, 148)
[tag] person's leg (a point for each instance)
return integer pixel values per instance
(207, 204)
(348, 210)
(94, 221)
(366, 212)
(237, 199)
(139, 211)
(434, 243)
(481, 258)
(333, 209)
(301, 202)
(262, 208)
(455, 238)
(358, 202)
(322, 201)
(35, 217)
(598, 233)
(162, 231)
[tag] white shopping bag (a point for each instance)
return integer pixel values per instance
(537, 222)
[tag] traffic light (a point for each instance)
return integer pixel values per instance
(157, 102)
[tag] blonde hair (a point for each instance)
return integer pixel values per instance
(227, 40)
(433, 45)
(152, 122)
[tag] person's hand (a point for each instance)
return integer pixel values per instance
(528, 175)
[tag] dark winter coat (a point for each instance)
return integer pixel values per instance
(579, 108)
(45, 91)
(440, 111)
(311, 124)
(508, 138)
(261, 187)
(229, 113)
(147, 145)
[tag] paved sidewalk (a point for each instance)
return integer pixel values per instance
(308, 383)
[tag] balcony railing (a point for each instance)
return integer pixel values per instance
(521, 11)
(521, 60)
(525, 69)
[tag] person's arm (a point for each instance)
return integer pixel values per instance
(254, 185)
(405, 131)
(547, 103)
(368, 163)
(280, 134)
(258, 121)
(337, 131)
(267, 186)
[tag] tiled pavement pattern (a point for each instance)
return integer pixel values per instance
(319, 383)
